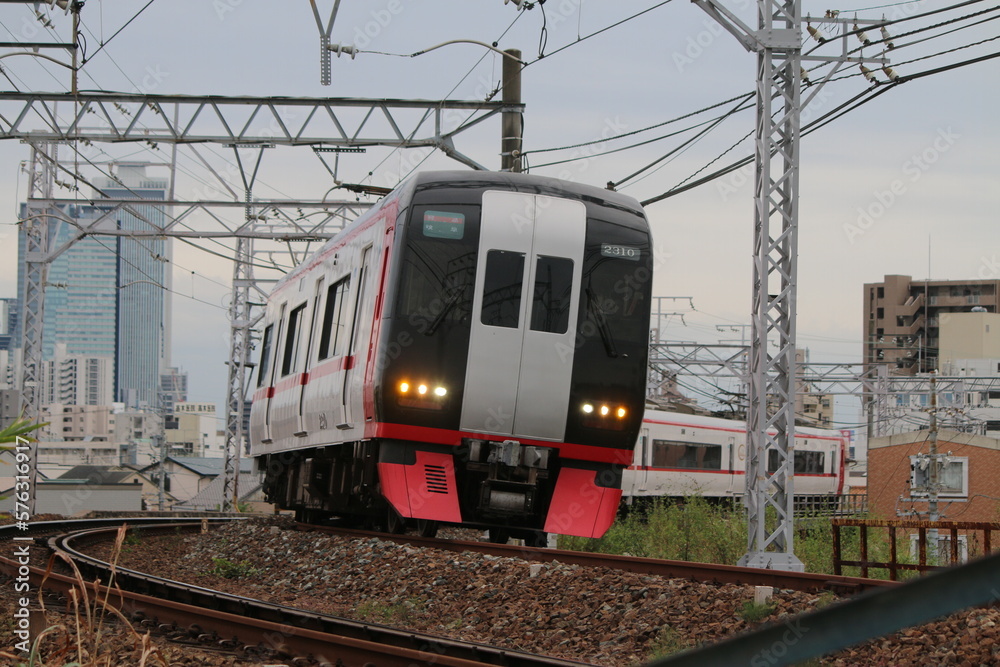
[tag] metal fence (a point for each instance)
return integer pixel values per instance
(957, 541)
(845, 504)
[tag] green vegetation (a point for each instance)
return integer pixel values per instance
(388, 613)
(755, 612)
(667, 642)
(701, 531)
(223, 567)
(18, 428)
(695, 530)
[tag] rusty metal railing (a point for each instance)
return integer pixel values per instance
(950, 530)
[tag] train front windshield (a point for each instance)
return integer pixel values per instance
(609, 366)
(428, 340)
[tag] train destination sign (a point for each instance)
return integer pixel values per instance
(440, 225)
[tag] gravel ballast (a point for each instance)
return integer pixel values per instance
(597, 615)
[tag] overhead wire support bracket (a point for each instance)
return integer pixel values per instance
(325, 77)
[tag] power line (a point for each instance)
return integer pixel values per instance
(105, 43)
(597, 32)
(886, 23)
(853, 103)
(740, 106)
(639, 131)
(623, 148)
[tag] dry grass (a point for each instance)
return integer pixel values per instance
(86, 639)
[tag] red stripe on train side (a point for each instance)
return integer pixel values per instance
(328, 367)
(723, 472)
(798, 434)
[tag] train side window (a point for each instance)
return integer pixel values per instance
(314, 324)
(332, 339)
(687, 455)
(265, 356)
(504, 281)
(804, 462)
(553, 286)
(289, 359)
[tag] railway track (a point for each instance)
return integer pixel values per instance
(250, 626)
(703, 572)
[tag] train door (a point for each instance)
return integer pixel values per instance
(521, 345)
(643, 463)
(302, 428)
(734, 487)
(344, 421)
(265, 374)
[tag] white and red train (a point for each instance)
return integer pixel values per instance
(472, 350)
(680, 455)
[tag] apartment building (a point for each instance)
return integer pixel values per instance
(903, 317)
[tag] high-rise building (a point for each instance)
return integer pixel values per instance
(108, 296)
(143, 324)
(76, 380)
(173, 389)
(8, 323)
(902, 318)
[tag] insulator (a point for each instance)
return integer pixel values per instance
(888, 38)
(815, 34)
(862, 36)
(868, 73)
(344, 48)
(805, 75)
(890, 72)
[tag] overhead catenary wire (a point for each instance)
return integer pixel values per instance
(855, 102)
(104, 43)
(884, 23)
(601, 31)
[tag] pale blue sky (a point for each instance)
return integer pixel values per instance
(905, 181)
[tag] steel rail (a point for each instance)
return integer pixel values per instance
(704, 572)
(241, 616)
(279, 638)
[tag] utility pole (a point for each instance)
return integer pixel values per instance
(511, 126)
(161, 491)
(777, 43)
(933, 473)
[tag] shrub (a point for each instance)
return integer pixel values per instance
(223, 567)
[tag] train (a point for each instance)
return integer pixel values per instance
(679, 455)
(472, 350)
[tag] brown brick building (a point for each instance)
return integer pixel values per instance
(970, 478)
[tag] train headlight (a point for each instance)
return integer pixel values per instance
(421, 394)
(604, 415)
